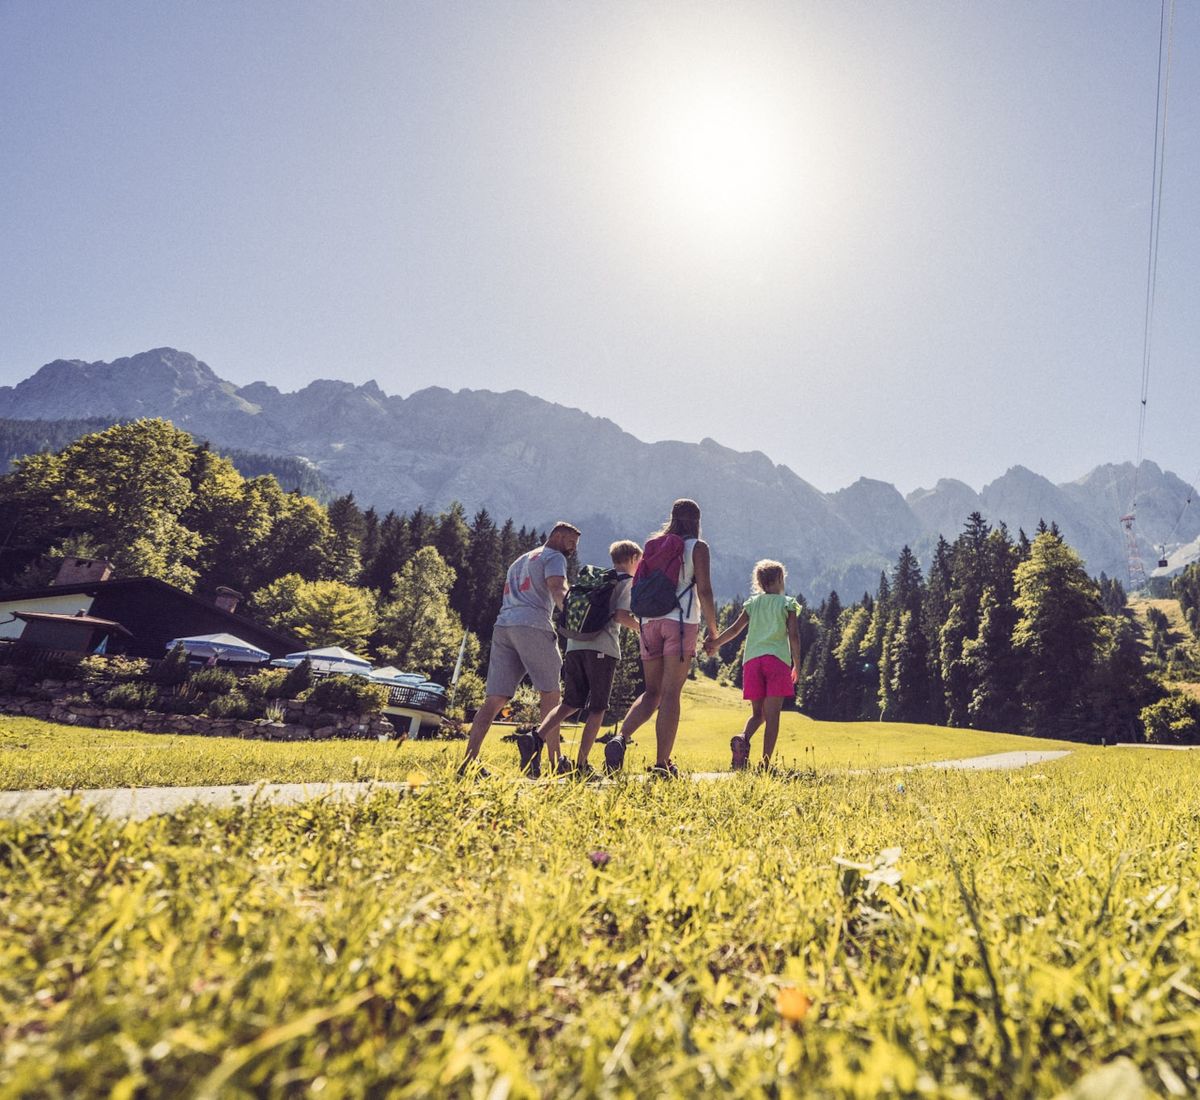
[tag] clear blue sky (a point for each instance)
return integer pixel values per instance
(900, 240)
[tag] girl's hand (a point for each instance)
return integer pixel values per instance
(711, 645)
(795, 674)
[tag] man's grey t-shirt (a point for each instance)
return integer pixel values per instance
(527, 600)
(607, 641)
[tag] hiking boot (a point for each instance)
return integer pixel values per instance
(529, 745)
(665, 771)
(584, 772)
(740, 747)
(564, 767)
(614, 755)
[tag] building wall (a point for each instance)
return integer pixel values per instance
(55, 605)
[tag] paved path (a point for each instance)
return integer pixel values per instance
(142, 802)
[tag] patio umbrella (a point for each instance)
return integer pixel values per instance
(332, 658)
(390, 674)
(221, 647)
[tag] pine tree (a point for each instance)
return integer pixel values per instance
(1057, 635)
(1121, 684)
(992, 667)
(453, 542)
(856, 674)
(486, 569)
(422, 528)
(908, 669)
(821, 687)
(370, 538)
(908, 586)
(935, 609)
(346, 537)
(390, 555)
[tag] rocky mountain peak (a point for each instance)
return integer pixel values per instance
(537, 461)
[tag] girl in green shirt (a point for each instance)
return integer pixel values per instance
(772, 645)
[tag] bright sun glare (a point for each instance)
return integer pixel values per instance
(718, 158)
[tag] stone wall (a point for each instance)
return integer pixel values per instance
(67, 703)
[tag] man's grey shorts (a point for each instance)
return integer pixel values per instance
(517, 650)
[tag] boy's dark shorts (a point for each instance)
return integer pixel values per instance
(588, 679)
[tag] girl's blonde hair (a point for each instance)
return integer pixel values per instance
(766, 574)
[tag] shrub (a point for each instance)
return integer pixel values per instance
(297, 681)
(178, 702)
(1174, 720)
(129, 696)
(233, 705)
(10, 679)
(469, 693)
(98, 669)
(264, 685)
(213, 681)
(173, 669)
(348, 694)
(525, 708)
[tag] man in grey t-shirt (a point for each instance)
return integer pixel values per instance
(524, 640)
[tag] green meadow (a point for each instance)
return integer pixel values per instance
(828, 932)
(36, 754)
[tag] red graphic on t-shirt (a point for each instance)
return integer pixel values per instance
(507, 590)
(526, 584)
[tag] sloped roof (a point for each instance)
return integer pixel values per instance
(50, 617)
(154, 588)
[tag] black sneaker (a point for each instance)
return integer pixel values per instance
(564, 767)
(614, 755)
(584, 772)
(665, 771)
(739, 746)
(529, 745)
(472, 770)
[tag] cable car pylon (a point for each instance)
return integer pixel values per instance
(1137, 570)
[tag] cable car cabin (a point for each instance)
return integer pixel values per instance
(1163, 563)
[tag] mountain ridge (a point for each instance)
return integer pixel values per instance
(536, 460)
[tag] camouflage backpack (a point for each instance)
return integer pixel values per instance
(587, 609)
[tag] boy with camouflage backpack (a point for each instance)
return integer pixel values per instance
(595, 609)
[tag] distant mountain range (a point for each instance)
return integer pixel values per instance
(535, 461)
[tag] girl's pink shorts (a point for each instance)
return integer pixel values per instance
(766, 677)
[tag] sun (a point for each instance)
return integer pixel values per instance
(718, 157)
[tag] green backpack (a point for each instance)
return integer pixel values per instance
(587, 609)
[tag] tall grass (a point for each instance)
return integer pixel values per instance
(503, 939)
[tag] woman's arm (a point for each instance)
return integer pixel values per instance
(733, 630)
(704, 592)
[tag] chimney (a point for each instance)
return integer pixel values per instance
(227, 599)
(83, 571)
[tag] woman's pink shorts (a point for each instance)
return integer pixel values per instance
(766, 677)
(663, 638)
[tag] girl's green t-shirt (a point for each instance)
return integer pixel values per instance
(768, 614)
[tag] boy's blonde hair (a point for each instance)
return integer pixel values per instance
(767, 573)
(624, 550)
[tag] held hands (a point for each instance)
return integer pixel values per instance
(711, 645)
